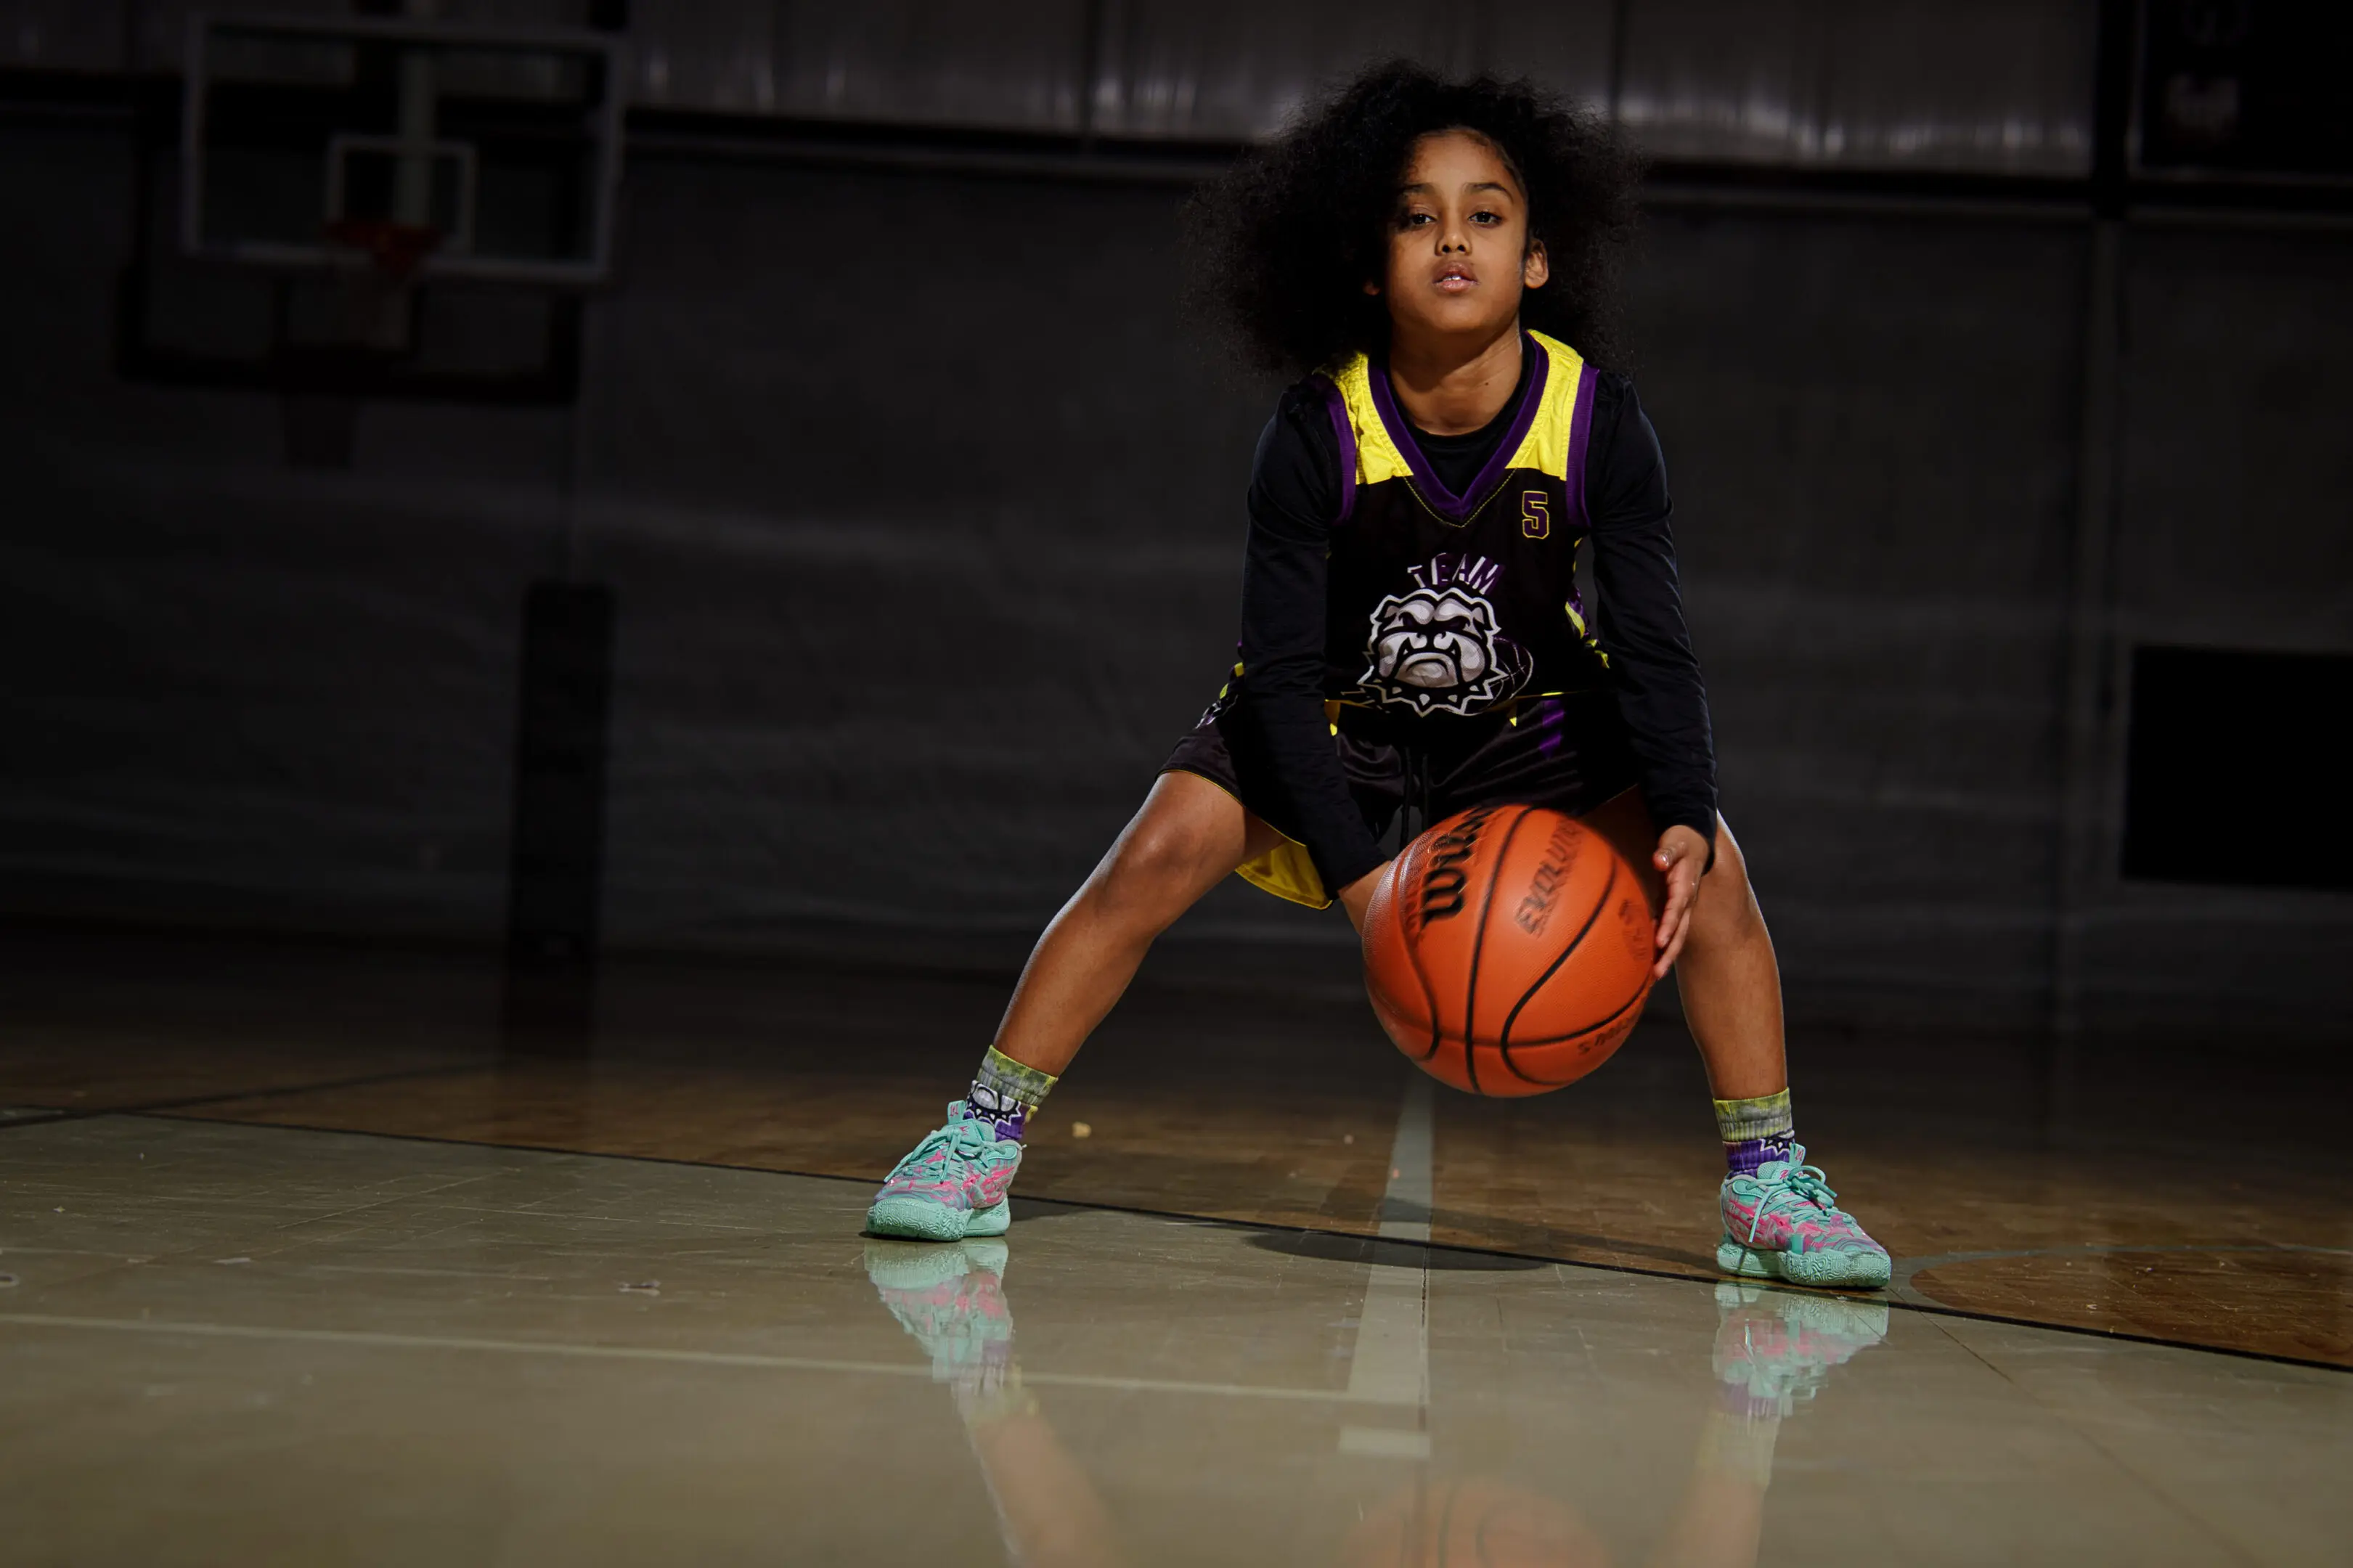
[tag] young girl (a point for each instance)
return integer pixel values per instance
(1411, 628)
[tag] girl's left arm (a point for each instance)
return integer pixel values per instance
(1640, 619)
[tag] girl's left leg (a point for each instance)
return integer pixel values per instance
(1731, 983)
(1780, 1217)
(1728, 978)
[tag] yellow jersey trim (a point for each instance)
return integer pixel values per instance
(1545, 448)
(1287, 870)
(1378, 456)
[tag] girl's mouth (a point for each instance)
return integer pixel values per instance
(1455, 278)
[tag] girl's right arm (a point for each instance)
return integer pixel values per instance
(1294, 496)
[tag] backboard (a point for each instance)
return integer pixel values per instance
(432, 149)
(352, 208)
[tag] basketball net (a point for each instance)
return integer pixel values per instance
(383, 255)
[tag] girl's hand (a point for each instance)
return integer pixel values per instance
(1360, 893)
(1681, 859)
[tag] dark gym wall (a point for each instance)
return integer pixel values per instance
(925, 513)
(1870, 429)
(920, 502)
(241, 695)
(2234, 531)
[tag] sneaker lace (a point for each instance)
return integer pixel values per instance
(965, 1140)
(1796, 1182)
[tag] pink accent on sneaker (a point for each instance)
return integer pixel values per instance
(1778, 1233)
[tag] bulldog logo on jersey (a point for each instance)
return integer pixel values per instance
(1438, 648)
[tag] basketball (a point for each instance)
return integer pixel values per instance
(1508, 949)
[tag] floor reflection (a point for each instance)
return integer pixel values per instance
(951, 1298)
(1775, 1350)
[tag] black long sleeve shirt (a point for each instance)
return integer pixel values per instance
(1294, 495)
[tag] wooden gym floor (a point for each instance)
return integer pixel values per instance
(300, 1262)
(2178, 1203)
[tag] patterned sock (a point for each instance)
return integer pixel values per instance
(1005, 1093)
(1755, 1130)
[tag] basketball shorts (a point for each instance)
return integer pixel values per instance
(1568, 753)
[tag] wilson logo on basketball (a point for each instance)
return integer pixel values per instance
(1634, 925)
(1543, 888)
(1442, 884)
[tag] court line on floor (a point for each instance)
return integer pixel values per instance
(1908, 1268)
(2085, 1429)
(46, 1115)
(1922, 1306)
(366, 1338)
(1389, 1363)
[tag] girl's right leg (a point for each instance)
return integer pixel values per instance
(1189, 836)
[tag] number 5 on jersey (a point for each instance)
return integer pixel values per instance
(1535, 515)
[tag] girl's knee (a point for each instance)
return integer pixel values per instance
(1726, 911)
(1151, 873)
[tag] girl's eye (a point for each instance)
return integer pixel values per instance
(1484, 217)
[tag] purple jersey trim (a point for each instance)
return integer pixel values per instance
(1456, 507)
(1580, 437)
(1337, 407)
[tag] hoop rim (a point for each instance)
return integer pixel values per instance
(393, 248)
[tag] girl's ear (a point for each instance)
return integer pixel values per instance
(1373, 287)
(1536, 267)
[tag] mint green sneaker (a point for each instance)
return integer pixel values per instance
(951, 1185)
(1784, 1223)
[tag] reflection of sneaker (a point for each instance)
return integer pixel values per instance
(1774, 1348)
(950, 1185)
(952, 1299)
(1784, 1223)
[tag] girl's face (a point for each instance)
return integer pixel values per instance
(1459, 255)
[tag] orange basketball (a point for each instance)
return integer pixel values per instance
(1508, 949)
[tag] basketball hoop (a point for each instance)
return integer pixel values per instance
(339, 201)
(395, 249)
(377, 267)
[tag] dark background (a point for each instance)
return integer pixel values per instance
(918, 495)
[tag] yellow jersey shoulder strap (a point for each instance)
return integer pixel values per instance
(1367, 453)
(1562, 416)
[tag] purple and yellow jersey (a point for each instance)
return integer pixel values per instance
(1447, 604)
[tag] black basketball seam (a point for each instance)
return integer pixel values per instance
(1478, 948)
(1593, 1028)
(1639, 992)
(1413, 957)
(1545, 1083)
(1503, 1040)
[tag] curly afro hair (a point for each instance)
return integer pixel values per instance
(1285, 239)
